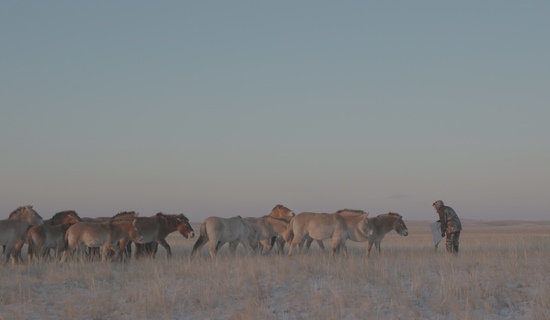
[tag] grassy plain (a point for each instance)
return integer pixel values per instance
(502, 272)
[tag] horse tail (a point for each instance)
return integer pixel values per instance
(203, 237)
(30, 243)
(288, 235)
(66, 240)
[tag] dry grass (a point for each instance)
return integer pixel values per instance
(501, 273)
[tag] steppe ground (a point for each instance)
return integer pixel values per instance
(502, 272)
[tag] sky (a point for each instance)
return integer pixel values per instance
(224, 108)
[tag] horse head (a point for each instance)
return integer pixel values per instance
(399, 225)
(28, 214)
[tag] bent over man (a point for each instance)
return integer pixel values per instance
(450, 225)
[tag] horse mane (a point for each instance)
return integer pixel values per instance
(390, 214)
(352, 211)
(124, 213)
(65, 213)
(18, 210)
(280, 206)
(285, 219)
(172, 219)
(395, 214)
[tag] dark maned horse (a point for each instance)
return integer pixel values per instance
(155, 229)
(40, 239)
(63, 217)
(383, 224)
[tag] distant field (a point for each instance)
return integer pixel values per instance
(501, 273)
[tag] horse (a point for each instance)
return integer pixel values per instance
(29, 215)
(383, 224)
(339, 226)
(155, 229)
(40, 239)
(12, 233)
(51, 234)
(280, 212)
(105, 235)
(268, 227)
(222, 230)
(127, 250)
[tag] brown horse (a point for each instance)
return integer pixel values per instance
(50, 235)
(29, 215)
(155, 229)
(105, 235)
(339, 226)
(40, 239)
(383, 224)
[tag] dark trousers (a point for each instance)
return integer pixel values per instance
(451, 241)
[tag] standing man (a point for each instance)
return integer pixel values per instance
(450, 225)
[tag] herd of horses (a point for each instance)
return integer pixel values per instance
(112, 237)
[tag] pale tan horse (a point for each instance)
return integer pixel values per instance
(155, 229)
(278, 212)
(383, 224)
(221, 230)
(10, 231)
(268, 228)
(105, 235)
(339, 226)
(40, 239)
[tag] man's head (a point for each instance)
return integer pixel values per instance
(438, 204)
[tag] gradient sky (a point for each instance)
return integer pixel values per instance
(230, 107)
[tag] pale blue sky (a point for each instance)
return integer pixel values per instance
(231, 107)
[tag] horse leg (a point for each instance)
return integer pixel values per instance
(233, 247)
(166, 246)
(17, 253)
(369, 247)
(201, 241)
(280, 245)
(308, 243)
(244, 241)
(321, 245)
(213, 249)
(296, 243)
(106, 251)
